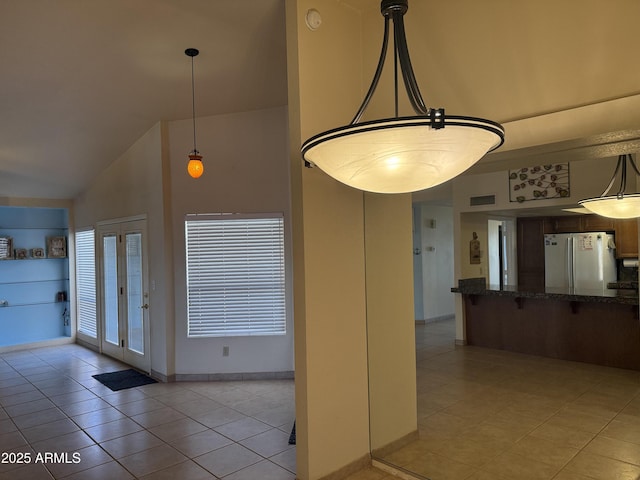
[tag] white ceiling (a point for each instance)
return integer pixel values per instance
(83, 79)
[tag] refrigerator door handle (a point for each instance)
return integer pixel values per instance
(599, 242)
(569, 279)
(572, 258)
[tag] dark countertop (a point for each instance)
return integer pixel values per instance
(624, 285)
(478, 286)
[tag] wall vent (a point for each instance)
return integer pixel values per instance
(482, 200)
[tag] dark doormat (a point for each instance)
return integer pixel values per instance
(292, 437)
(123, 379)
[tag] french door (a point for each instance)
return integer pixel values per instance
(124, 319)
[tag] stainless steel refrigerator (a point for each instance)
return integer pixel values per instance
(584, 261)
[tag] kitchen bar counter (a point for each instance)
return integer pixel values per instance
(477, 286)
(586, 326)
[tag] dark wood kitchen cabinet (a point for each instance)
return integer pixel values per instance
(626, 238)
(579, 223)
(568, 224)
(596, 223)
(531, 232)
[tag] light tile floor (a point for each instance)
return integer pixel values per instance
(50, 404)
(489, 414)
(483, 414)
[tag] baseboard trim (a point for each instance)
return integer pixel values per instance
(349, 469)
(395, 445)
(53, 342)
(87, 345)
(396, 471)
(161, 377)
(222, 377)
(460, 342)
(440, 318)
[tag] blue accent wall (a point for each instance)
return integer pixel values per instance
(33, 311)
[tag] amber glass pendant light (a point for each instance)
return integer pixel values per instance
(195, 168)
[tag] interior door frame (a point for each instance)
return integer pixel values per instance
(122, 226)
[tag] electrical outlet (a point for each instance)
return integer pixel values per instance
(225, 351)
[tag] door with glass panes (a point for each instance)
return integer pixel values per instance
(124, 318)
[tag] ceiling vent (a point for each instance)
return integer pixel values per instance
(482, 200)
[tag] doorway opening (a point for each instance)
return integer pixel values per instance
(502, 252)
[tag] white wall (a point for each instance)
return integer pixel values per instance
(588, 178)
(246, 170)
(437, 261)
(133, 185)
(245, 158)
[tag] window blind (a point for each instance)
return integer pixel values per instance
(86, 283)
(235, 276)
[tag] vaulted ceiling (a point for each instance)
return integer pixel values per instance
(82, 80)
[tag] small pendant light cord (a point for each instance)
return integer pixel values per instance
(193, 106)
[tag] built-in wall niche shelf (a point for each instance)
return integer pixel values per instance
(34, 281)
(8, 304)
(53, 245)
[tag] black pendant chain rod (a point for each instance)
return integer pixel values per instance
(376, 76)
(394, 10)
(410, 83)
(621, 165)
(192, 52)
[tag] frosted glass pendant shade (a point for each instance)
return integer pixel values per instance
(626, 206)
(620, 205)
(401, 155)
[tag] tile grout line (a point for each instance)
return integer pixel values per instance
(65, 374)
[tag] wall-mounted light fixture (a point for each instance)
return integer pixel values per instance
(194, 167)
(401, 154)
(622, 204)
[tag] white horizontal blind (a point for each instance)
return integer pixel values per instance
(235, 276)
(86, 282)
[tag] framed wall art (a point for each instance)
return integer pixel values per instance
(539, 183)
(6, 248)
(56, 247)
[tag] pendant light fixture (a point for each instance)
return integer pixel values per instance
(401, 154)
(194, 167)
(622, 204)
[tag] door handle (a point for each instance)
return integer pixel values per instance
(145, 306)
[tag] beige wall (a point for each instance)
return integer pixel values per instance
(333, 299)
(473, 222)
(331, 367)
(390, 318)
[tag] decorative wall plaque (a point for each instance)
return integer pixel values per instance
(539, 183)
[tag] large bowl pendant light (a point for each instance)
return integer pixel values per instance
(622, 204)
(401, 154)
